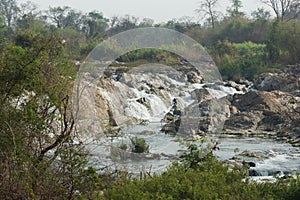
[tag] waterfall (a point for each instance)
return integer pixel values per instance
(137, 110)
(158, 107)
(154, 109)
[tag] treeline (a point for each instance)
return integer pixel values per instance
(223, 34)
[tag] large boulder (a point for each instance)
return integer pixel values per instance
(286, 79)
(258, 101)
(275, 112)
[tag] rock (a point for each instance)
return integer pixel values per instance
(193, 77)
(201, 94)
(144, 101)
(146, 132)
(286, 79)
(242, 121)
(168, 117)
(246, 83)
(251, 164)
(177, 112)
(171, 127)
(258, 100)
(264, 113)
(252, 154)
(253, 172)
(242, 86)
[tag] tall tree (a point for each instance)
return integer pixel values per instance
(57, 15)
(208, 12)
(64, 17)
(9, 10)
(28, 14)
(36, 123)
(146, 22)
(119, 24)
(94, 23)
(294, 11)
(261, 14)
(281, 7)
(234, 10)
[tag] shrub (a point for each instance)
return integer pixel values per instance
(139, 145)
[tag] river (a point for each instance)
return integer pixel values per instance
(270, 157)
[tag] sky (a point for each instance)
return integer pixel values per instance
(159, 10)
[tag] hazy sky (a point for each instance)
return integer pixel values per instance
(159, 10)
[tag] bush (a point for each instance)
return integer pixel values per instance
(202, 177)
(139, 145)
(240, 60)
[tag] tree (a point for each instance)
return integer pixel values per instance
(29, 9)
(234, 10)
(119, 24)
(283, 44)
(281, 7)
(38, 156)
(9, 10)
(261, 14)
(293, 12)
(94, 23)
(27, 15)
(64, 17)
(207, 8)
(146, 22)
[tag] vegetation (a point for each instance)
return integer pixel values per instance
(41, 156)
(198, 177)
(139, 145)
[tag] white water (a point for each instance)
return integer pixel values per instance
(279, 157)
(154, 113)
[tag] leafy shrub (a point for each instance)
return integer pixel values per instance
(239, 60)
(202, 177)
(139, 145)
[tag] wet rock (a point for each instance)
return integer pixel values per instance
(143, 101)
(252, 154)
(201, 94)
(177, 112)
(171, 127)
(251, 164)
(168, 117)
(253, 172)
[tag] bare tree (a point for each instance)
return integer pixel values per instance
(281, 8)
(294, 11)
(29, 9)
(261, 14)
(9, 10)
(207, 10)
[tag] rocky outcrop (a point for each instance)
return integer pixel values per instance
(286, 79)
(194, 119)
(205, 115)
(273, 109)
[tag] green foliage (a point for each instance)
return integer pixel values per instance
(139, 145)
(206, 178)
(39, 158)
(283, 43)
(149, 54)
(240, 60)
